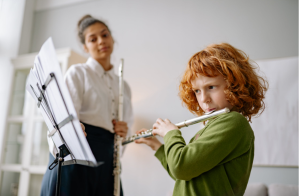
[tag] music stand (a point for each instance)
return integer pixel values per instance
(46, 86)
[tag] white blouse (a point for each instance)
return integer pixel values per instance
(95, 95)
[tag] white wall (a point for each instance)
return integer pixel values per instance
(156, 39)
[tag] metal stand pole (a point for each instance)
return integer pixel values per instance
(60, 161)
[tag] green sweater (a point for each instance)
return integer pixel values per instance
(216, 162)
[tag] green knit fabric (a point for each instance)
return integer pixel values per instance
(217, 163)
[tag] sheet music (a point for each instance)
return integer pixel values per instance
(57, 104)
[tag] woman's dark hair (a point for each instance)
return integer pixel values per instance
(84, 23)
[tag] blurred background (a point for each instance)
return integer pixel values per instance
(156, 39)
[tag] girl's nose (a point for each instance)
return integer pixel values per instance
(205, 98)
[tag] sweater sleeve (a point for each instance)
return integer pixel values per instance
(223, 139)
(160, 155)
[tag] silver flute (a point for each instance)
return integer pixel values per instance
(118, 139)
(185, 123)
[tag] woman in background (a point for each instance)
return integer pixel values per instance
(94, 89)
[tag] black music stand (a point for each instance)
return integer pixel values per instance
(46, 85)
(63, 149)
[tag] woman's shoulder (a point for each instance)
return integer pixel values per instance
(76, 69)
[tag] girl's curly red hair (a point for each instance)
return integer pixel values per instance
(245, 89)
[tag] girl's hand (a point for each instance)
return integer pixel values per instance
(83, 129)
(162, 127)
(120, 128)
(150, 141)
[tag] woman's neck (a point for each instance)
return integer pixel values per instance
(105, 63)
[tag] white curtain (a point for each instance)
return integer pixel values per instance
(276, 130)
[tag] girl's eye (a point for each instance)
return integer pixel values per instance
(105, 35)
(211, 87)
(197, 91)
(93, 40)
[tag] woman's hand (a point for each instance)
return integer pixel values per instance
(162, 127)
(120, 128)
(150, 141)
(83, 129)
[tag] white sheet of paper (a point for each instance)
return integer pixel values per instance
(60, 103)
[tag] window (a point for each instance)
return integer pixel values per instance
(25, 151)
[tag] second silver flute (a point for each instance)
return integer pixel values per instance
(118, 139)
(185, 123)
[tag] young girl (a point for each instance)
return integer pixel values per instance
(94, 89)
(218, 159)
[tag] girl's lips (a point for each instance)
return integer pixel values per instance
(209, 110)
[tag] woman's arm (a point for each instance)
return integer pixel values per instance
(74, 80)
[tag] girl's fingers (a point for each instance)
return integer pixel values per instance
(159, 121)
(142, 130)
(139, 141)
(156, 125)
(143, 141)
(154, 132)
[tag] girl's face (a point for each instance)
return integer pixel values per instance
(98, 41)
(210, 92)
